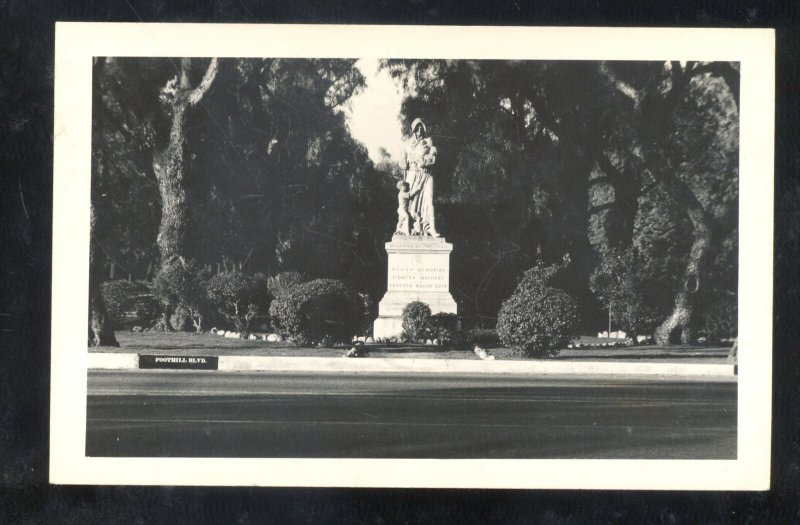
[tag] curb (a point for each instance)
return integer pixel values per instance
(125, 361)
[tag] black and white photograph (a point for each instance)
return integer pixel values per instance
(412, 256)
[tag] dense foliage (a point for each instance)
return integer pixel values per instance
(721, 318)
(239, 297)
(542, 158)
(637, 302)
(319, 311)
(130, 303)
(536, 159)
(283, 282)
(182, 285)
(483, 337)
(416, 321)
(444, 327)
(538, 319)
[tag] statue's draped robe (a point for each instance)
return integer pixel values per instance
(420, 156)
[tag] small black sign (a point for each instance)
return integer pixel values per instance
(180, 362)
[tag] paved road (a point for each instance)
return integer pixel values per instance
(213, 414)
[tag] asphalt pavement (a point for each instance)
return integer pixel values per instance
(378, 415)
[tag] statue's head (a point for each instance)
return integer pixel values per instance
(418, 128)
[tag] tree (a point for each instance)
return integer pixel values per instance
(100, 331)
(679, 111)
(513, 166)
(272, 179)
(585, 158)
(179, 96)
(124, 190)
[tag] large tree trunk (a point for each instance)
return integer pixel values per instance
(169, 168)
(681, 317)
(100, 331)
(656, 114)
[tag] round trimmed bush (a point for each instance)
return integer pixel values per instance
(416, 321)
(537, 323)
(319, 311)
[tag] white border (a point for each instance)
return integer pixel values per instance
(77, 43)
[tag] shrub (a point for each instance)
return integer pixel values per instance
(538, 320)
(444, 327)
(130, 303)
(239, 297)
(485, 337)
(721, 318)
(282, 282)
(181, 286)
(637, 302)
(416, 321)
(323, 310)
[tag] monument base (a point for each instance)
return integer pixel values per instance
(418, 270)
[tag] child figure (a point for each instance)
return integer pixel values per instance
(403, 216)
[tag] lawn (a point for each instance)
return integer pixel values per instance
(188, 343)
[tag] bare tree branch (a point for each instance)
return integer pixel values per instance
(197, 93)
(621, 86)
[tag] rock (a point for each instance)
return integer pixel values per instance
(221, 333)
(428, 342)
(480, 352)
(274, 338)
(490, 358)
(254, 337)
(357, 350)
(619, 334)
(436, 342)
(702, 340)
(137, 329)
(599, 334)
(604, 334)
(361, 339)
(569, 346)
(232, 335)
(214, 330)
(642, 339)
(369, 340)
(578, 345)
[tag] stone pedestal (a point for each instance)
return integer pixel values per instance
(418, 270)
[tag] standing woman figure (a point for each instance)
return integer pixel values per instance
(420, 156)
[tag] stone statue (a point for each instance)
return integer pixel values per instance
(403, 215)
(420, 155)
